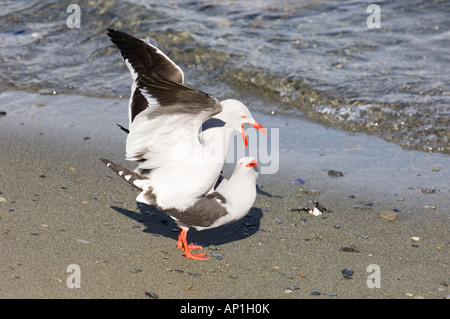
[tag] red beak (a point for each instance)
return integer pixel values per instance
(259, 127)
(255, 125)
(253, 163)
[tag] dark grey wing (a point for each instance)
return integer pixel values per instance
(173, 98)
(203, 213)
(145, 58)
(142, 58)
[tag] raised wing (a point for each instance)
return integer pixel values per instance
(143, 59)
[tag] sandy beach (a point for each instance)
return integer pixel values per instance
(59, 206)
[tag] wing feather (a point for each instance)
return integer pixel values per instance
(169, 130)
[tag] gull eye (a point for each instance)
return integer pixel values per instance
(243, 117)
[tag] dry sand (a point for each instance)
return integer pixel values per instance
(60, 206)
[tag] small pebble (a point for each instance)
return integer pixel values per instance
(293, 287)
(194, 274)
(34, 233)
(83, 241)
(299, 181)
(415, 238)
(334, 173)
(233, 276)
(277, 220)
(315, 211)
(217, 255)
(347, 273)
(312, 192)
(388, 216)
(315, 293)
(336, 226)
(366, 206)
(332, 294)
(151, 294)
(351, 249)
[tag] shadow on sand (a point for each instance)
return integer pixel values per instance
(159, 223)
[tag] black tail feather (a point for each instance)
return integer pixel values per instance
(128, 175)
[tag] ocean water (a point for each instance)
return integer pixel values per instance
(385, 73)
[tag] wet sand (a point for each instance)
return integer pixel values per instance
(60, 205)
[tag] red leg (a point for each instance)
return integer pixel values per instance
(182, 244)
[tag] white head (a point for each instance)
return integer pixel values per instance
(235, 115)
(247, 165)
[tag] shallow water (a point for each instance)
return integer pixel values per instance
(317, 59)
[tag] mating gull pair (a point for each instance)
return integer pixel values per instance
(170, 124)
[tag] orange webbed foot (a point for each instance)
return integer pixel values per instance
(190, 255)
(182, 244)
